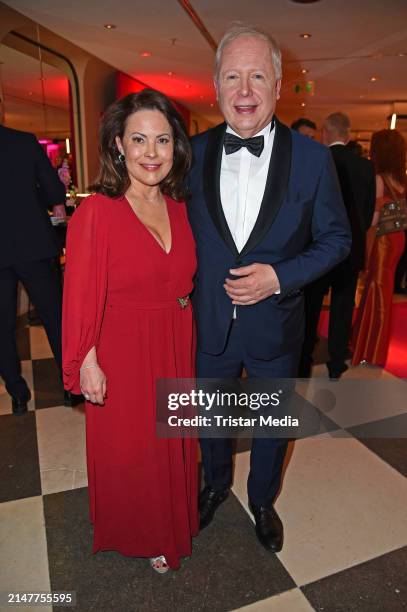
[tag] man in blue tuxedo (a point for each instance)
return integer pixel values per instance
(268, 218)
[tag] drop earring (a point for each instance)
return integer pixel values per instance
(121, 158)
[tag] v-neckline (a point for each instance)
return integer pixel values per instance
(160, 246)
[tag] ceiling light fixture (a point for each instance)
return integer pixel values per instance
(304, 71)
(305, 35)
(373, 79)
(145, 54)
(170, 73)
(110, 26)
(303, 104)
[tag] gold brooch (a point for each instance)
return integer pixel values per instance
(183, 301)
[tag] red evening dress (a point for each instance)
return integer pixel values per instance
(120, 295)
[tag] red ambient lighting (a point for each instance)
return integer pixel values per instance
(176, 87)
(145, 54)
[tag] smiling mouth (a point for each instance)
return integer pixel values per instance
(248, 109)
(151, 167)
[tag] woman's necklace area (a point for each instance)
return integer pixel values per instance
(138, 201)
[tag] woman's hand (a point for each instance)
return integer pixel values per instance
(92, 379)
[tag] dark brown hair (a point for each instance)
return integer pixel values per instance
(303, 121)
(388, 154)
(113, 179)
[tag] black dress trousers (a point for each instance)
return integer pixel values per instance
(42, 283)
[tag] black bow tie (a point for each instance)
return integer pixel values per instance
(233, 143)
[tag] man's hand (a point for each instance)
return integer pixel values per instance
(259, 282)
(59, 211)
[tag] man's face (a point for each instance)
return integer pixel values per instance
(246, 85)
(307, 131)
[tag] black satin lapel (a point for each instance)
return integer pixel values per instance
(211, 178)
(276, 186)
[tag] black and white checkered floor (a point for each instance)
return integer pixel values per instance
(344, 506)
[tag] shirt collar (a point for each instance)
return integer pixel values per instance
(337, 142)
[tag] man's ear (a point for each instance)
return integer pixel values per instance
(215, 84)
(278, 88)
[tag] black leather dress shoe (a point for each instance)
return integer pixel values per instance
(269, 528)
(20, 404)
(71, 400)
(336, 370)
(209, 501)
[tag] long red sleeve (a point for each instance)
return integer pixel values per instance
(85, 285)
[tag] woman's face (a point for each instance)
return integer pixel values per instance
(148, 146)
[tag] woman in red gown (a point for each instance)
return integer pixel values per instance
(130, 256)
(371, 333)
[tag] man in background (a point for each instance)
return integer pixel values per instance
(28, 247)
(357, 181)
(304, 126)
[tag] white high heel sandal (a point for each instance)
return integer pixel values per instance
(159, 564)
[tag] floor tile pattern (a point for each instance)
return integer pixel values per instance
(343, 505)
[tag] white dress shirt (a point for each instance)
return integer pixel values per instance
(243, 179)
(242, 182)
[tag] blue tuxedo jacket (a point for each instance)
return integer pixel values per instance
(302, 230)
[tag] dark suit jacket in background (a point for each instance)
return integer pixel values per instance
(29, 185)
(358, 185)
(302, 230)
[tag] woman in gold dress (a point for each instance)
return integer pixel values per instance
(371, 332)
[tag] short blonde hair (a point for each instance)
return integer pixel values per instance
(241, 29)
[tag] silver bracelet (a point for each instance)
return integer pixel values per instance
(91, 365)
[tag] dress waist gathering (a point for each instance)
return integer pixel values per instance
(177, 302)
